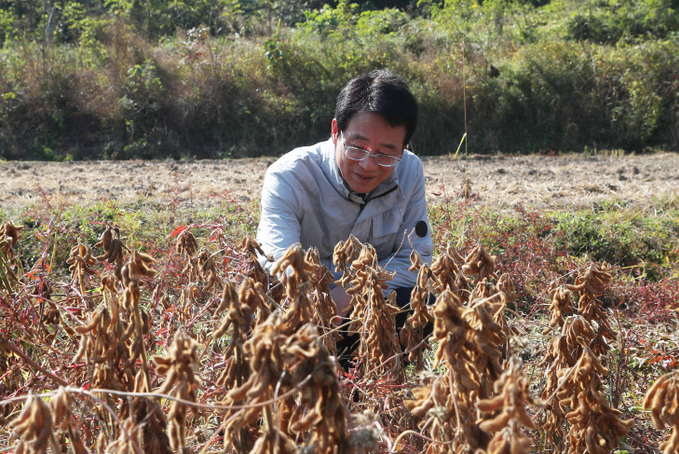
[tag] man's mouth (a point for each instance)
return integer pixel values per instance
(364, 177)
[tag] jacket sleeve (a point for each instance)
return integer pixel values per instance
(279, 225)
(415, 232)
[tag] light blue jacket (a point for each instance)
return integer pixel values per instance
(305, 200)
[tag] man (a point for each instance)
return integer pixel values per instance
(361, 182)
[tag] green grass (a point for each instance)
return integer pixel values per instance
(643, 239)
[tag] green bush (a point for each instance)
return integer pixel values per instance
(629, 21)
(220, 78)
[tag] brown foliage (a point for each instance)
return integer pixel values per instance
(662, 398)
(273, 384)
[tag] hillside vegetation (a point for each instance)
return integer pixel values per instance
(120, 79)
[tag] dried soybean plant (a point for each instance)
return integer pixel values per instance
(486, 316)
(34, 427)
(320, 279)
(240, 307)
(560, 359)
(448, 274)
(412, 333)
(138, 266)
(112, 345)
(595, 427)
(281, 352)
(80, 261)
(145, 428)
(372, 315)
(103, 343)
(40, 424)
(274, 292)
(562, 354)
(252, 268)
(201, 274)
(579, 417)
(560, 307)
(207, 270)
(379, 346)
(299, 308)
(479, 263)
(49, 314)
(472, 346)
(254, 294)
(662, 398)
(445, 404)
(188, 304)
(12, 376)
(589, 285)
(489, 336)
(508, 412)
(114, 248)
(114, 333)
(62, 415)
(291, 385)
(200, 264)
(254, 399)
(319, 418)
(239, 319)
(306, 284)
(112, 342)
(344, 254)
(186, 243)
(179, 367)
(9, 237)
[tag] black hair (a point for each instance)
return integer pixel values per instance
(382, 92)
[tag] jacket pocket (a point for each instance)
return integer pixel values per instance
(387, 233)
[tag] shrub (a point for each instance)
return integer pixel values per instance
(119, 82)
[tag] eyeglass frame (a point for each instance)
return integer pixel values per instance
(368, 154)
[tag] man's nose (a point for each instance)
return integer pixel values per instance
(369, 163)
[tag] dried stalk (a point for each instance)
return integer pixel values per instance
(181, 379)
(81, 260)
(580, 419)
(509, 412)
(662, 398)
(33, 426)
(412, 333)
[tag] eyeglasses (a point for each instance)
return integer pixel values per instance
(361, 154)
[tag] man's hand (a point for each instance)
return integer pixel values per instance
(341, 299)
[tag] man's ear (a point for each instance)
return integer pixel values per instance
(334, 132)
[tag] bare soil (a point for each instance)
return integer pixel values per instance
(541, 181)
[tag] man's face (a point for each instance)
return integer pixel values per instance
(371, 132)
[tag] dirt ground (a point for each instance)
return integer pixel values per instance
(540, 181)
